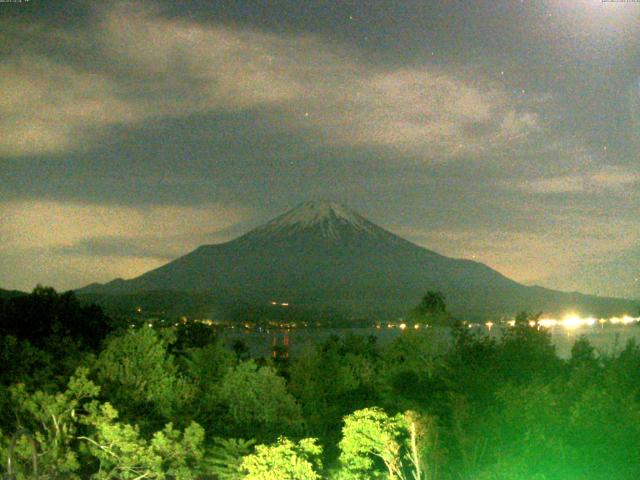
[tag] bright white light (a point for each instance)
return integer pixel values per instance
(548, 322)
(571, 322)
(574, 321)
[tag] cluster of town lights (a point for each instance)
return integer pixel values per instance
(573, 322)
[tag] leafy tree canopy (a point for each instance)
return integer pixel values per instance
(284, 460)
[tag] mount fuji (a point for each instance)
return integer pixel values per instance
(323, 254)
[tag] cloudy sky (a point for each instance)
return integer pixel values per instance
(503, 131)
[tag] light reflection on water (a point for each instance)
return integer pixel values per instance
(608, 339)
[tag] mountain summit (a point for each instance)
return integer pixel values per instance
(323, 254)
(329, 217)
(321, 222)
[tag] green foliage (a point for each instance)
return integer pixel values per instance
(333, 379)
(193, 335)
(141, 378)
(254, 401)
(606, 420)
(45, 336)
(224, 458)
(45, 317)
(24, 363)
(123, 454)
(529, 425)
(488, 408)
(408, 370)
(432, 309)
(478, 365)
(284, 460)
(370, 439)
(78, 437)
(432, 304)
(53, 421)
(583, 354)
(205, 368)
(527, 353)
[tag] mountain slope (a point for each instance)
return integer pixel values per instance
(324, 254)
(6, 294)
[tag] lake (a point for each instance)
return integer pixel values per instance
(605, 338)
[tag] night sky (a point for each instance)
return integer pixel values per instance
(502, 131)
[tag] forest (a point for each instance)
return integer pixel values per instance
(86, 396)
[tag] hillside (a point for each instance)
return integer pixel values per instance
(322, 254)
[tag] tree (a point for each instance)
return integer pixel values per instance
(333, 379)
(52, 419)
(44, 317)
(408, 366)
(606, 419)
(45, 336)
(372, 439)
(525, 318)
(123, 454)
(205, 368)
(79, 437)
(583, 354)
(432, 308)
(22, 362)
(527, 430)
(193, 335)
(141, 378)
(226, 455)
(284, 460)
(254, 401)
(432, 303)
(526, 352)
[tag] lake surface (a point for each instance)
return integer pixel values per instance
(608, 339)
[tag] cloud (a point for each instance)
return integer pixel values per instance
(534, 256)
(150, 67)
(114, 247)
(47, 107)
(47, 223)
(70, 244)
(426, 111)
(608, 179)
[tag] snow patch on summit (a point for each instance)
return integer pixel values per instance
(313, 212)
(330, 216)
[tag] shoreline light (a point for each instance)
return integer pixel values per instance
(574, 321)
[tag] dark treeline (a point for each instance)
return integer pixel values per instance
(231, 310)
(104, 400)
